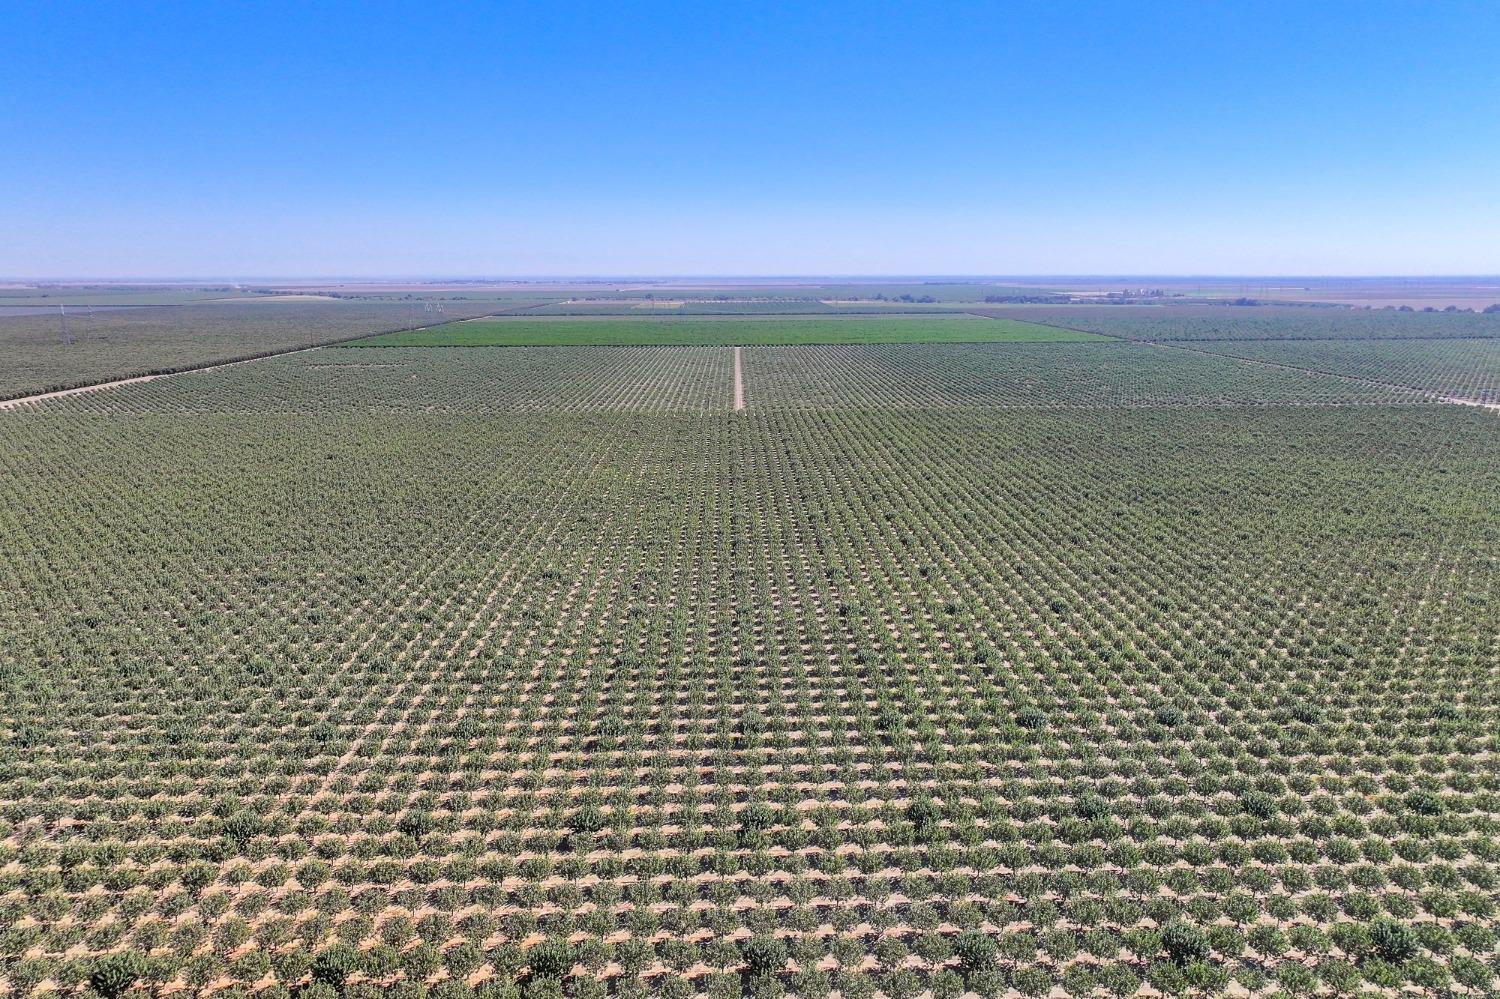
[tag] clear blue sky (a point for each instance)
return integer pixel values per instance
(258, 139)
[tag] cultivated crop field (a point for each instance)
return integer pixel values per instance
(699, 307)
(43, 353)
(1468, 369)
(1104, 373)
(739, 330)
(340, 380)
(1071, 667)
(1223, 322)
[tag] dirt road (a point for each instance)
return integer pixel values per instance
(739, 381)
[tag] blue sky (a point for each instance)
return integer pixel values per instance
(217, 139)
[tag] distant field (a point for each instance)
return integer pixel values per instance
(1464, 369)
(759, 307)
(1205, 323)
(746, 330)
(124, 342)
(85, 296)
(332, 383)
(973, 376)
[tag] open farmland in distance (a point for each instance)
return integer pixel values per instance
(1446, 367)
(417, 380)
(1454, 357)
(1225, 322)
(743, 307)
(44, 353)
(1085, 667)
(1101, 374)
(740, 330)
(83, 296)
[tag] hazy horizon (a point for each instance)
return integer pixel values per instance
(710, 278)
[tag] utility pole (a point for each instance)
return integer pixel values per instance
(62, 312)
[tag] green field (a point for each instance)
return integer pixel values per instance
(744, 330)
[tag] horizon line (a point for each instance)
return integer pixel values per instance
(597, 278)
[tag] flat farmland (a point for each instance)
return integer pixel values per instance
(42, 354)
(738, 330)
(1449, 367)
(1102, 374)
(1105, 374)
(1231, 323)
(83, 296)
(418, 380)
(1002, 669)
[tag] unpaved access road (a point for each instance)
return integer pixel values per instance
(739, 381)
